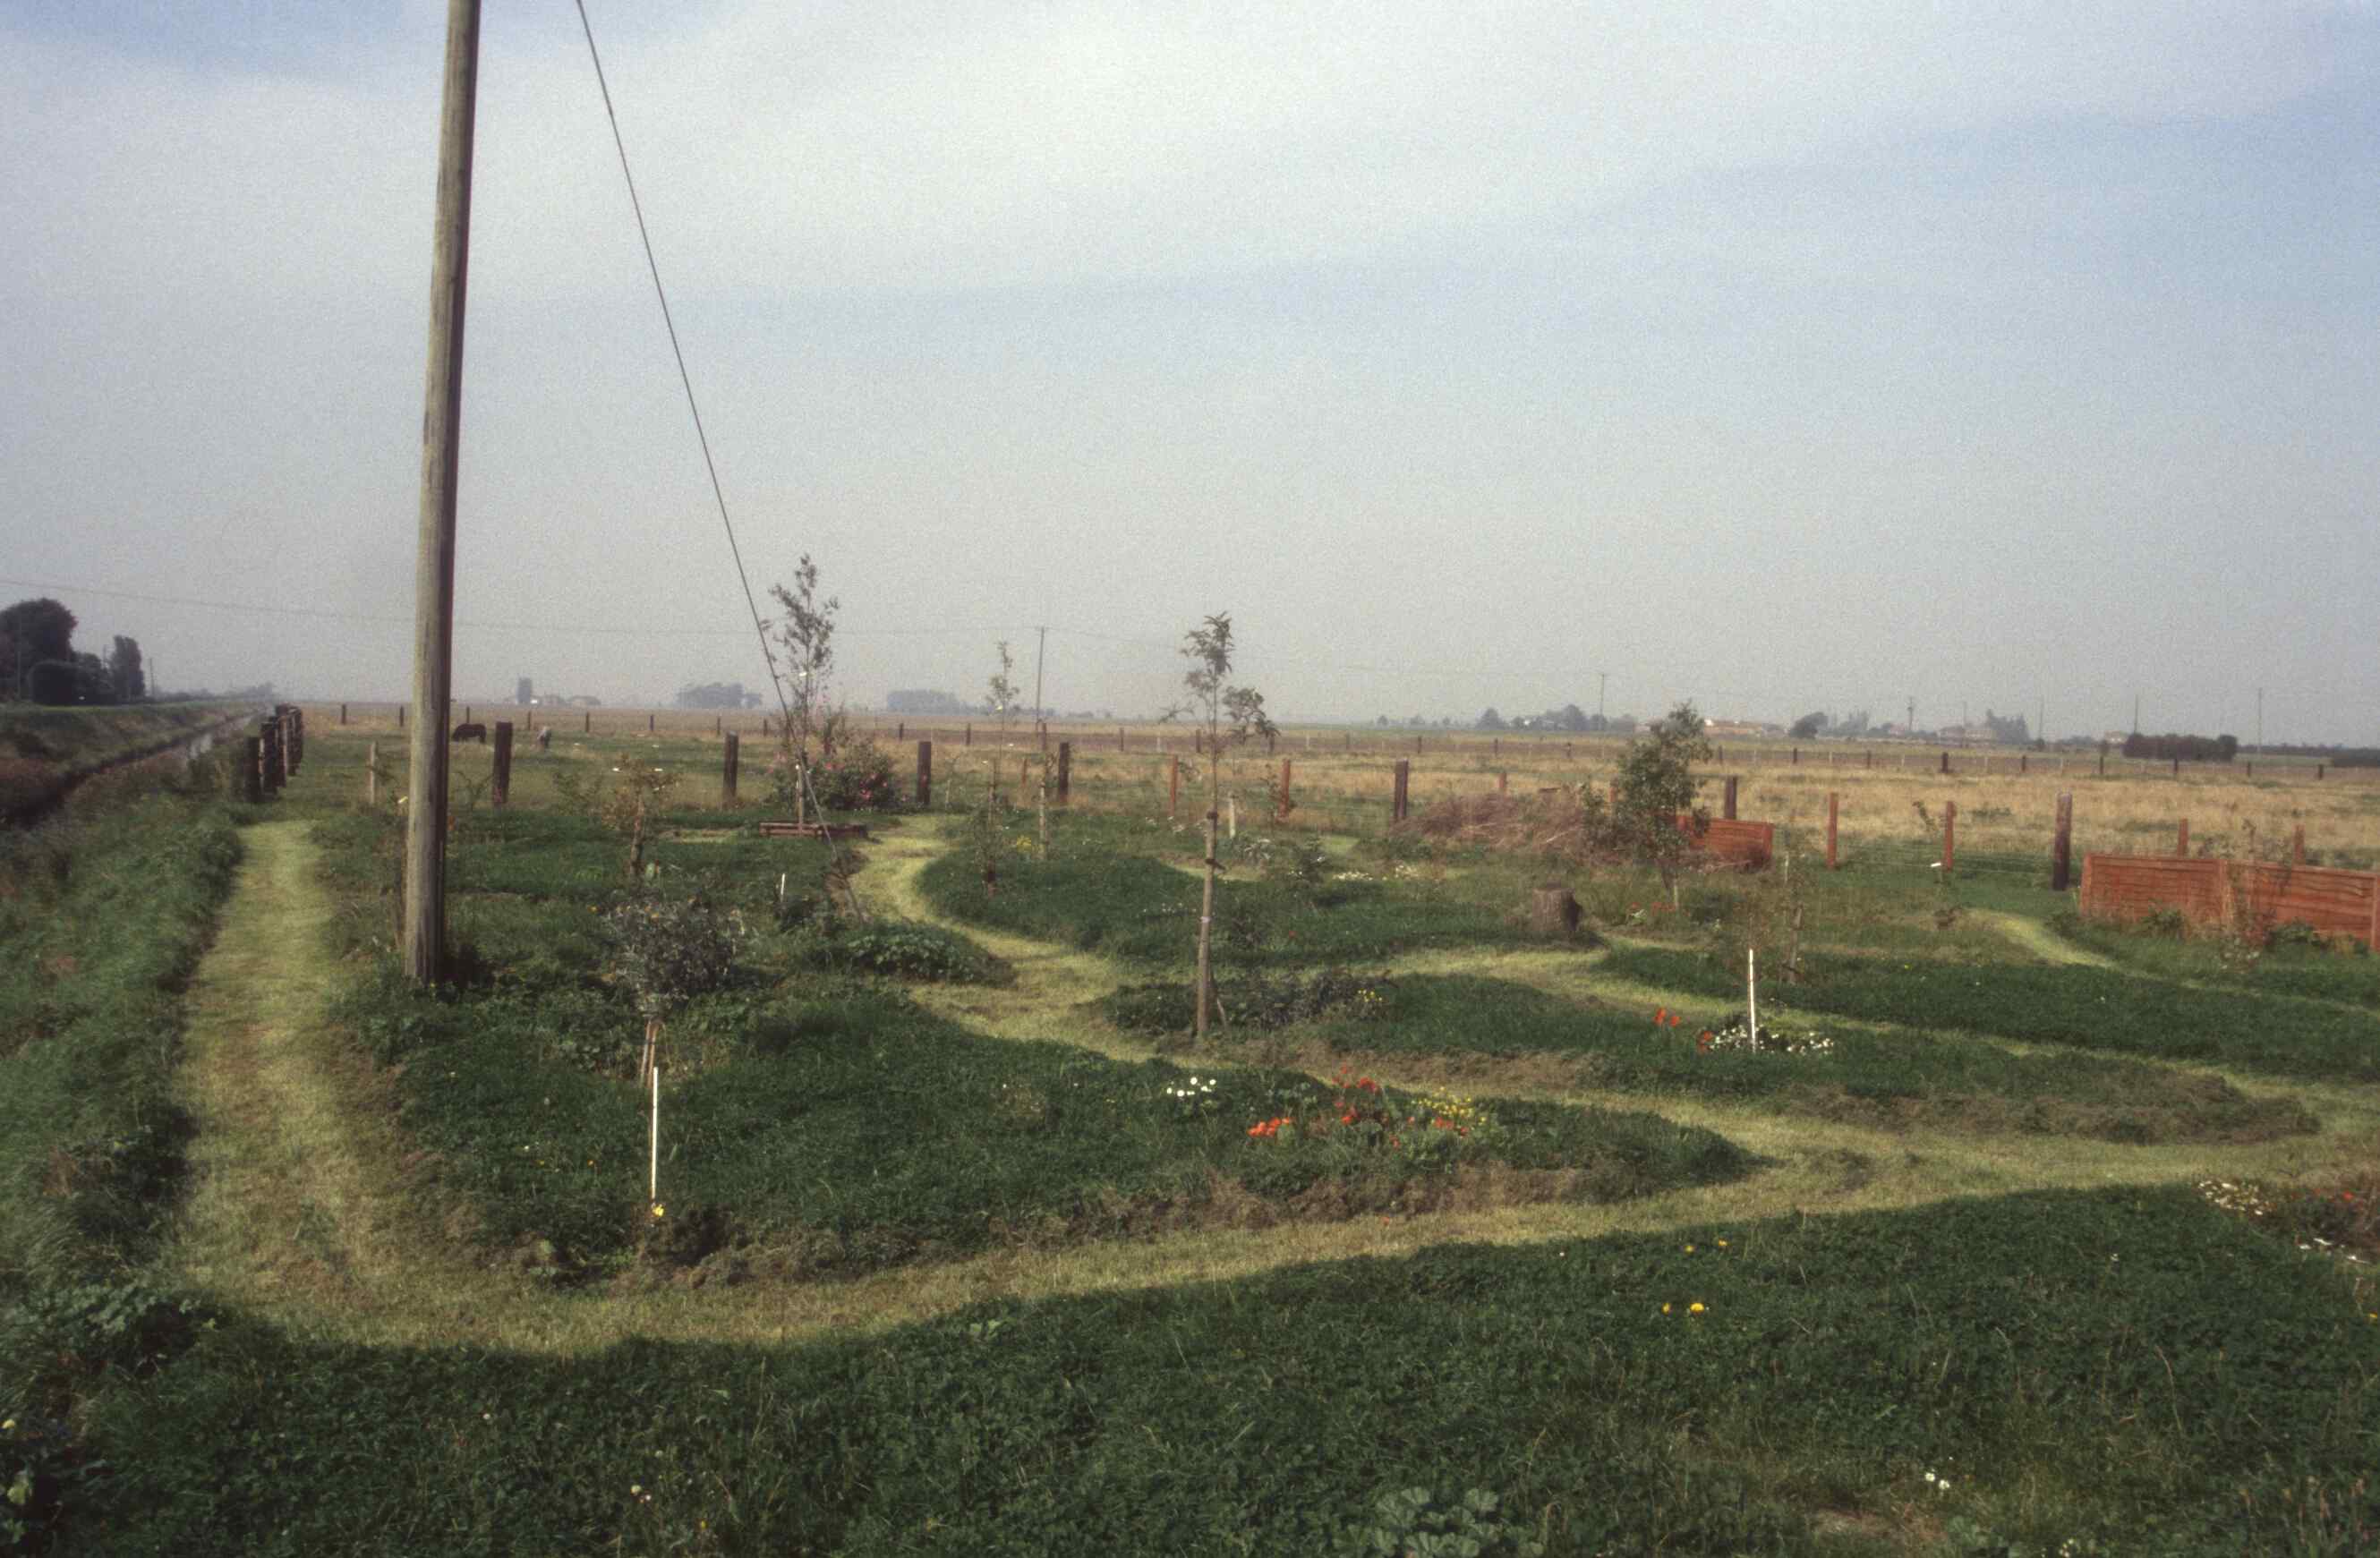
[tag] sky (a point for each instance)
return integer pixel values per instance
(1781, 357)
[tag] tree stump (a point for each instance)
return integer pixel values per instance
(1554, 911)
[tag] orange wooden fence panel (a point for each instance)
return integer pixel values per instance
(2332, 902)
(1751, 844)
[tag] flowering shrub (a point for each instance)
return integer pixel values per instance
(856, 777)
(1427, 1129)
(1194, 1098)
(1734, 1037)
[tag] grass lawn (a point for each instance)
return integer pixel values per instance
(927, 1289)
(2083, 1007)
(1892, 1078)
(2123, 1371)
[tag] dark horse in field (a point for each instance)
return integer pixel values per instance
(473, 732)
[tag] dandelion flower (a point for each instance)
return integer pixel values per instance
(1694, 1308)
(1665, 1308)
(660, 1211)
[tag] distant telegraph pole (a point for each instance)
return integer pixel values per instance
(433, 575)
(1040, 649)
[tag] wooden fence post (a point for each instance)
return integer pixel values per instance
(2024, 763)
(901, 730)
(1945, 759)
(1834, 806)
(2062, 847)
(400, 716)
(1173, 788)
(269, 732)
(1949, 835)
(2103, 774)
(587, 723)
(729, 761)
(2297, 845)
(499, 789)
(925, 774)
(371, 775)
(343, 714)
(1727, 803)
(1797, 757)
(1397, 802)
(1066, 770)
(2318, 769)
(1503, 784)
(2177, 766)
(1281, 801)
(648, 724)
(251, 768)
(967, 737)
(2181, 840)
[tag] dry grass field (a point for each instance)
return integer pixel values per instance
(1892, 797)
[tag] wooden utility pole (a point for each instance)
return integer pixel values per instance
(433, 575)
(1040, 651)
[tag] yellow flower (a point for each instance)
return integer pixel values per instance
(1665, 1308)
(659, 1210)
(1694, 1308)
(1722, 1244)
(1690, 1248)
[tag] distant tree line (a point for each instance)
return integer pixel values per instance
(40, 664)
(716, 694)
(1569, 718)
(2190, 749)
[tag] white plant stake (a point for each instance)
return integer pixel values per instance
(654, 1174)
(1752, 993)
(1233, 810)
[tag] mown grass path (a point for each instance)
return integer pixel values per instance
(307, 1209)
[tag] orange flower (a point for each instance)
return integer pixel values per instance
(1661, 1015)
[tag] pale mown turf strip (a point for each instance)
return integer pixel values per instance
(305, 1209)
(297, 1201)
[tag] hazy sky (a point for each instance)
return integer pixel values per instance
(1784, 356)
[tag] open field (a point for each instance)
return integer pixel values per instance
(960, 1246)
(1891, 804)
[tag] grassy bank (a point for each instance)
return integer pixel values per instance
(42, 751)
(103, 917)
(2112, 1373)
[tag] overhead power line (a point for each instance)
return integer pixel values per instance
(742, 578)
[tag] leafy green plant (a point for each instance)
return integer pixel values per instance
(906, 948)
(667, 950)
(1231, 715)
(1420, 1523)
(1654, 787)
(805, 635)
(1255, 1001)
